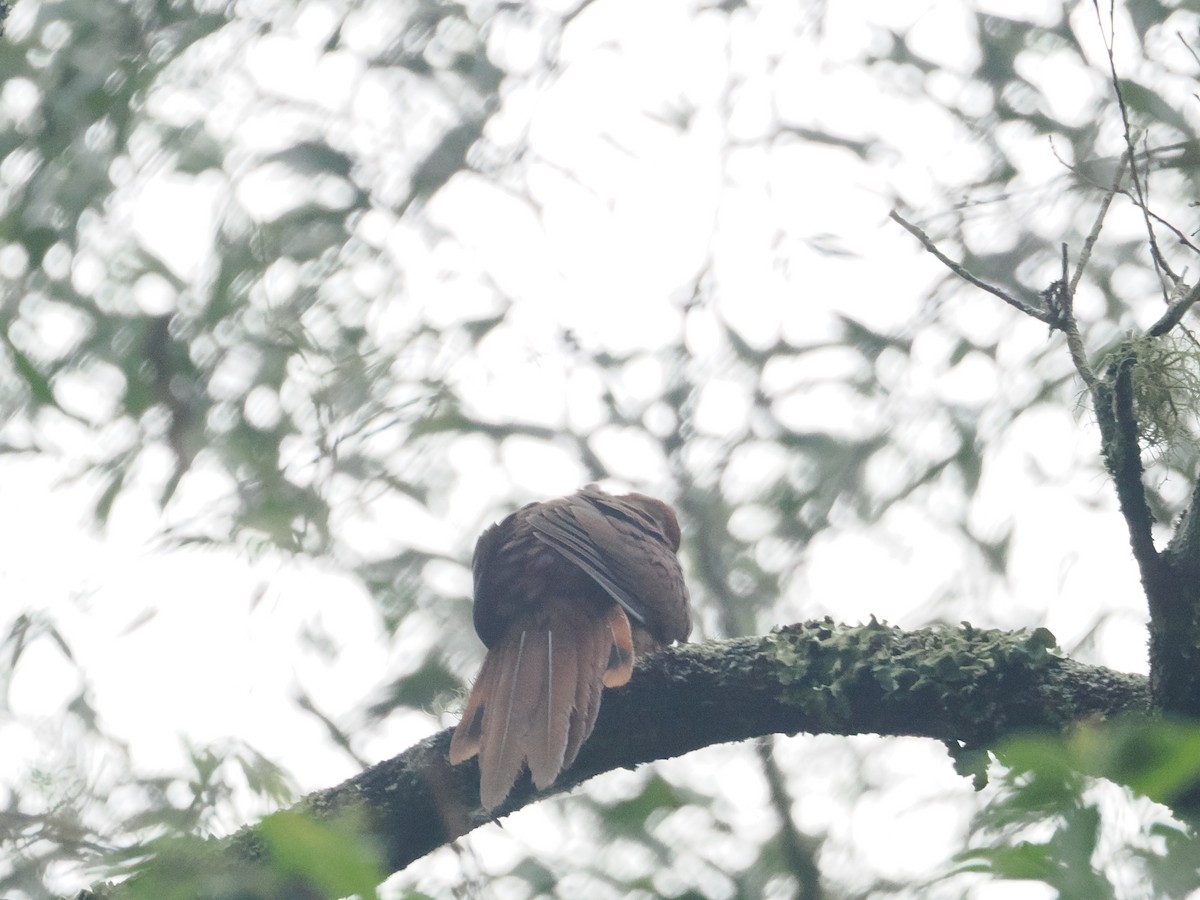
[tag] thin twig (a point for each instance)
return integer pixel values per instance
(1094, 235)
(1062, 318)
(1082, 175)
(1065, 322)
(1188, 46)
(1143, 204)
(1179, 235)
(1040, 314)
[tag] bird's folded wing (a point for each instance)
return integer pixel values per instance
(587, 537)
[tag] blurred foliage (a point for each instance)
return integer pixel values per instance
(300, 858)
(337, 361)
(1045, 822)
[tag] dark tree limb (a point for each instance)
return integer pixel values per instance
(958, 685)
(1175, 312)
(1119, 432)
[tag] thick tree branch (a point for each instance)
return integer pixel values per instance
(1175, 312)
(1119, 430)
(958, 685)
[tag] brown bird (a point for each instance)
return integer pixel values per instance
(564, 592)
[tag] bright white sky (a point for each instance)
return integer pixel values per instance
(189, 646)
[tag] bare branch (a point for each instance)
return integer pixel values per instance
(1058, 315)
(1176, 231)
(1070, 328)
(1094, 235)
(1188, 47)
(1040, 314)
(1139, 189)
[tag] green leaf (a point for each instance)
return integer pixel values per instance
(1152, 107)
(332, 856)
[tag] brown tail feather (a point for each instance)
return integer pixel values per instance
(615, 642)
(465, 742)
(547, 736)
(537, 696)
(596, 644)
(514, 708)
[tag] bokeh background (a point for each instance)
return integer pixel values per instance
(297, 296)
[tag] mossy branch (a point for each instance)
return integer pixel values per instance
(1120, 433)
(963, 686)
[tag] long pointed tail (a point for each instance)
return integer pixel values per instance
(538, 694)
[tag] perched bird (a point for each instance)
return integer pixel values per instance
(565, 591)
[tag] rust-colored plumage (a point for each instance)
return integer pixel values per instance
(564, 592)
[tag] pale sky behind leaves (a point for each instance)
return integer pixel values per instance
(198, 646)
